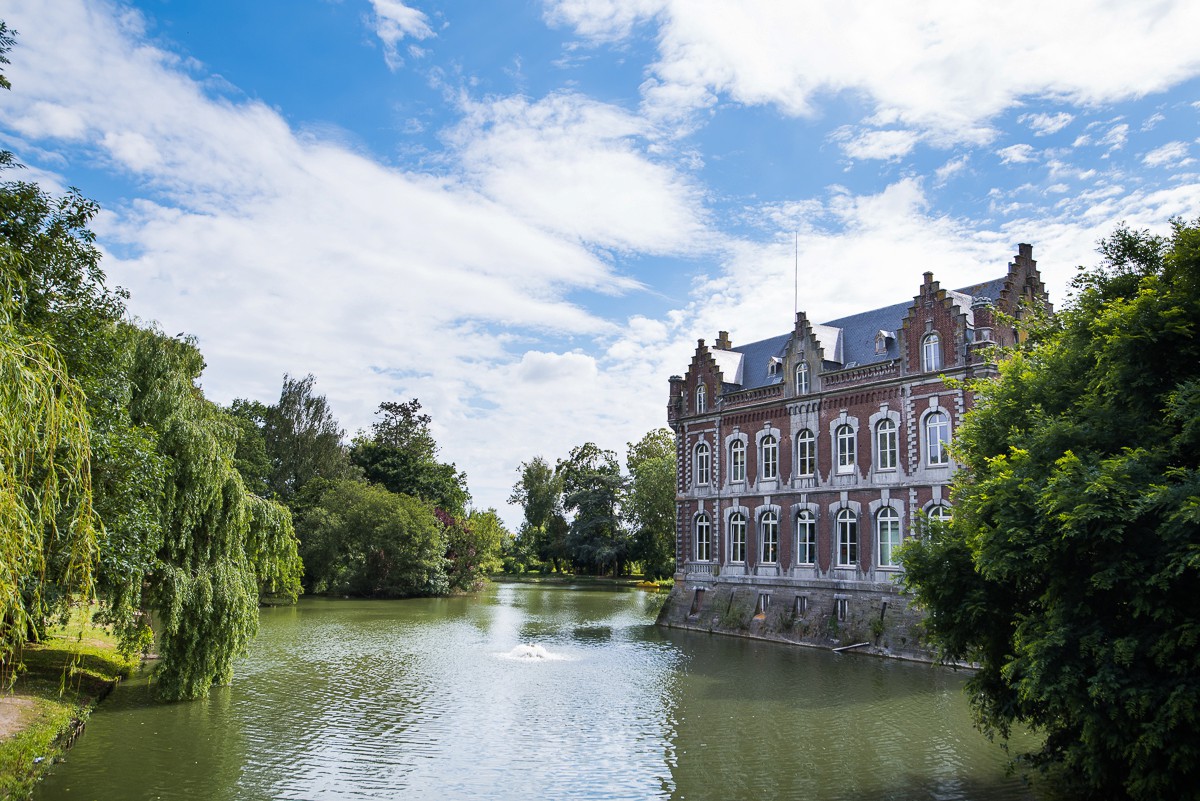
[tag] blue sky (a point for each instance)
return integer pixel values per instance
(526, 213)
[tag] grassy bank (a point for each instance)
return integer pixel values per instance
(62, 680)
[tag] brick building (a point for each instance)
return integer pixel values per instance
(803, 460)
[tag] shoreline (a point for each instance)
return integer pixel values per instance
(65, 677)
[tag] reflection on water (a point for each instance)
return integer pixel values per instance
(534, 691)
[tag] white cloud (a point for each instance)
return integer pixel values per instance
(603, 20)
(1172, 154)
(951, 168)
(944, 66)
(1016, 154)
(580, 169)
(884, 145)
(393, 21)
(1116, 137)
(1046, 124)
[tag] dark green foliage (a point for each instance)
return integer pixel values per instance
(544, 531)
(219, 544)
(592, 489)
(301, 437)
(650, 502)
(401, 455)
(1071, 569)
(250, 458)
(361, 539)
(472, 548)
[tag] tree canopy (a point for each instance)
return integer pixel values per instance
(650, 502)
(1071, 569)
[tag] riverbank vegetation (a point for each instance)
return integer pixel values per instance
(1070, 572)
(584, 515)
(61, 680)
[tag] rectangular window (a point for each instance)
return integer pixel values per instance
(806, 539)
(770, 458)
(737, 538)
(847, 449)
(806, 454)
(801, 604)
(843, 608)
(737, 461)
(886, 446)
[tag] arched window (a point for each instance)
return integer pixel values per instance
(737, 461)
(769, 525)
(937, 437)
(931, 353)
(806, 538)
(700, 399)
(770, 457)
(702, 463)
(703, 539)
(887, 534)
(940, 513)
(737, 537)
(847, 449)
(847, 535)
(802, 378)
(806, 453)
(886, 450)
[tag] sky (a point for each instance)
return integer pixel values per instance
(526, 212)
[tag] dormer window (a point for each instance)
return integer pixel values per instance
(774, 365)
(700, 399)
(881, 342)
(802, 378)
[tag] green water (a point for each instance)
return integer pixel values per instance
(535, 692)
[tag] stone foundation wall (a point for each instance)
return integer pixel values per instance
(803, 615)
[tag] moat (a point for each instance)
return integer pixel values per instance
(536, 691)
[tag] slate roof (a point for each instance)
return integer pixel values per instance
(858, 338)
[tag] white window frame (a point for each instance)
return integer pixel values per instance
(802, 384)
(768, 528)
(937, 451)
(887, 445)
(702, 464)
(806, 454)
(931, 352)
(846, 527)
(846, 448)
(737, 461)
(888, 536)
(769, 452)
(940, 512)
(737, 537)
(806, 537)
(701, 402)
(703, 524)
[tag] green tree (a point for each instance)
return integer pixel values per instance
(360, 539)
(544, 529)
(218, 544)
(592, 489)
(301, 436)
(650, 502)
(45, 480)
(1071, 569)
(401, 455)
(472, 547)
(251, 458)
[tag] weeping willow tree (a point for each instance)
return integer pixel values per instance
(219, 544)
(45, 489)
